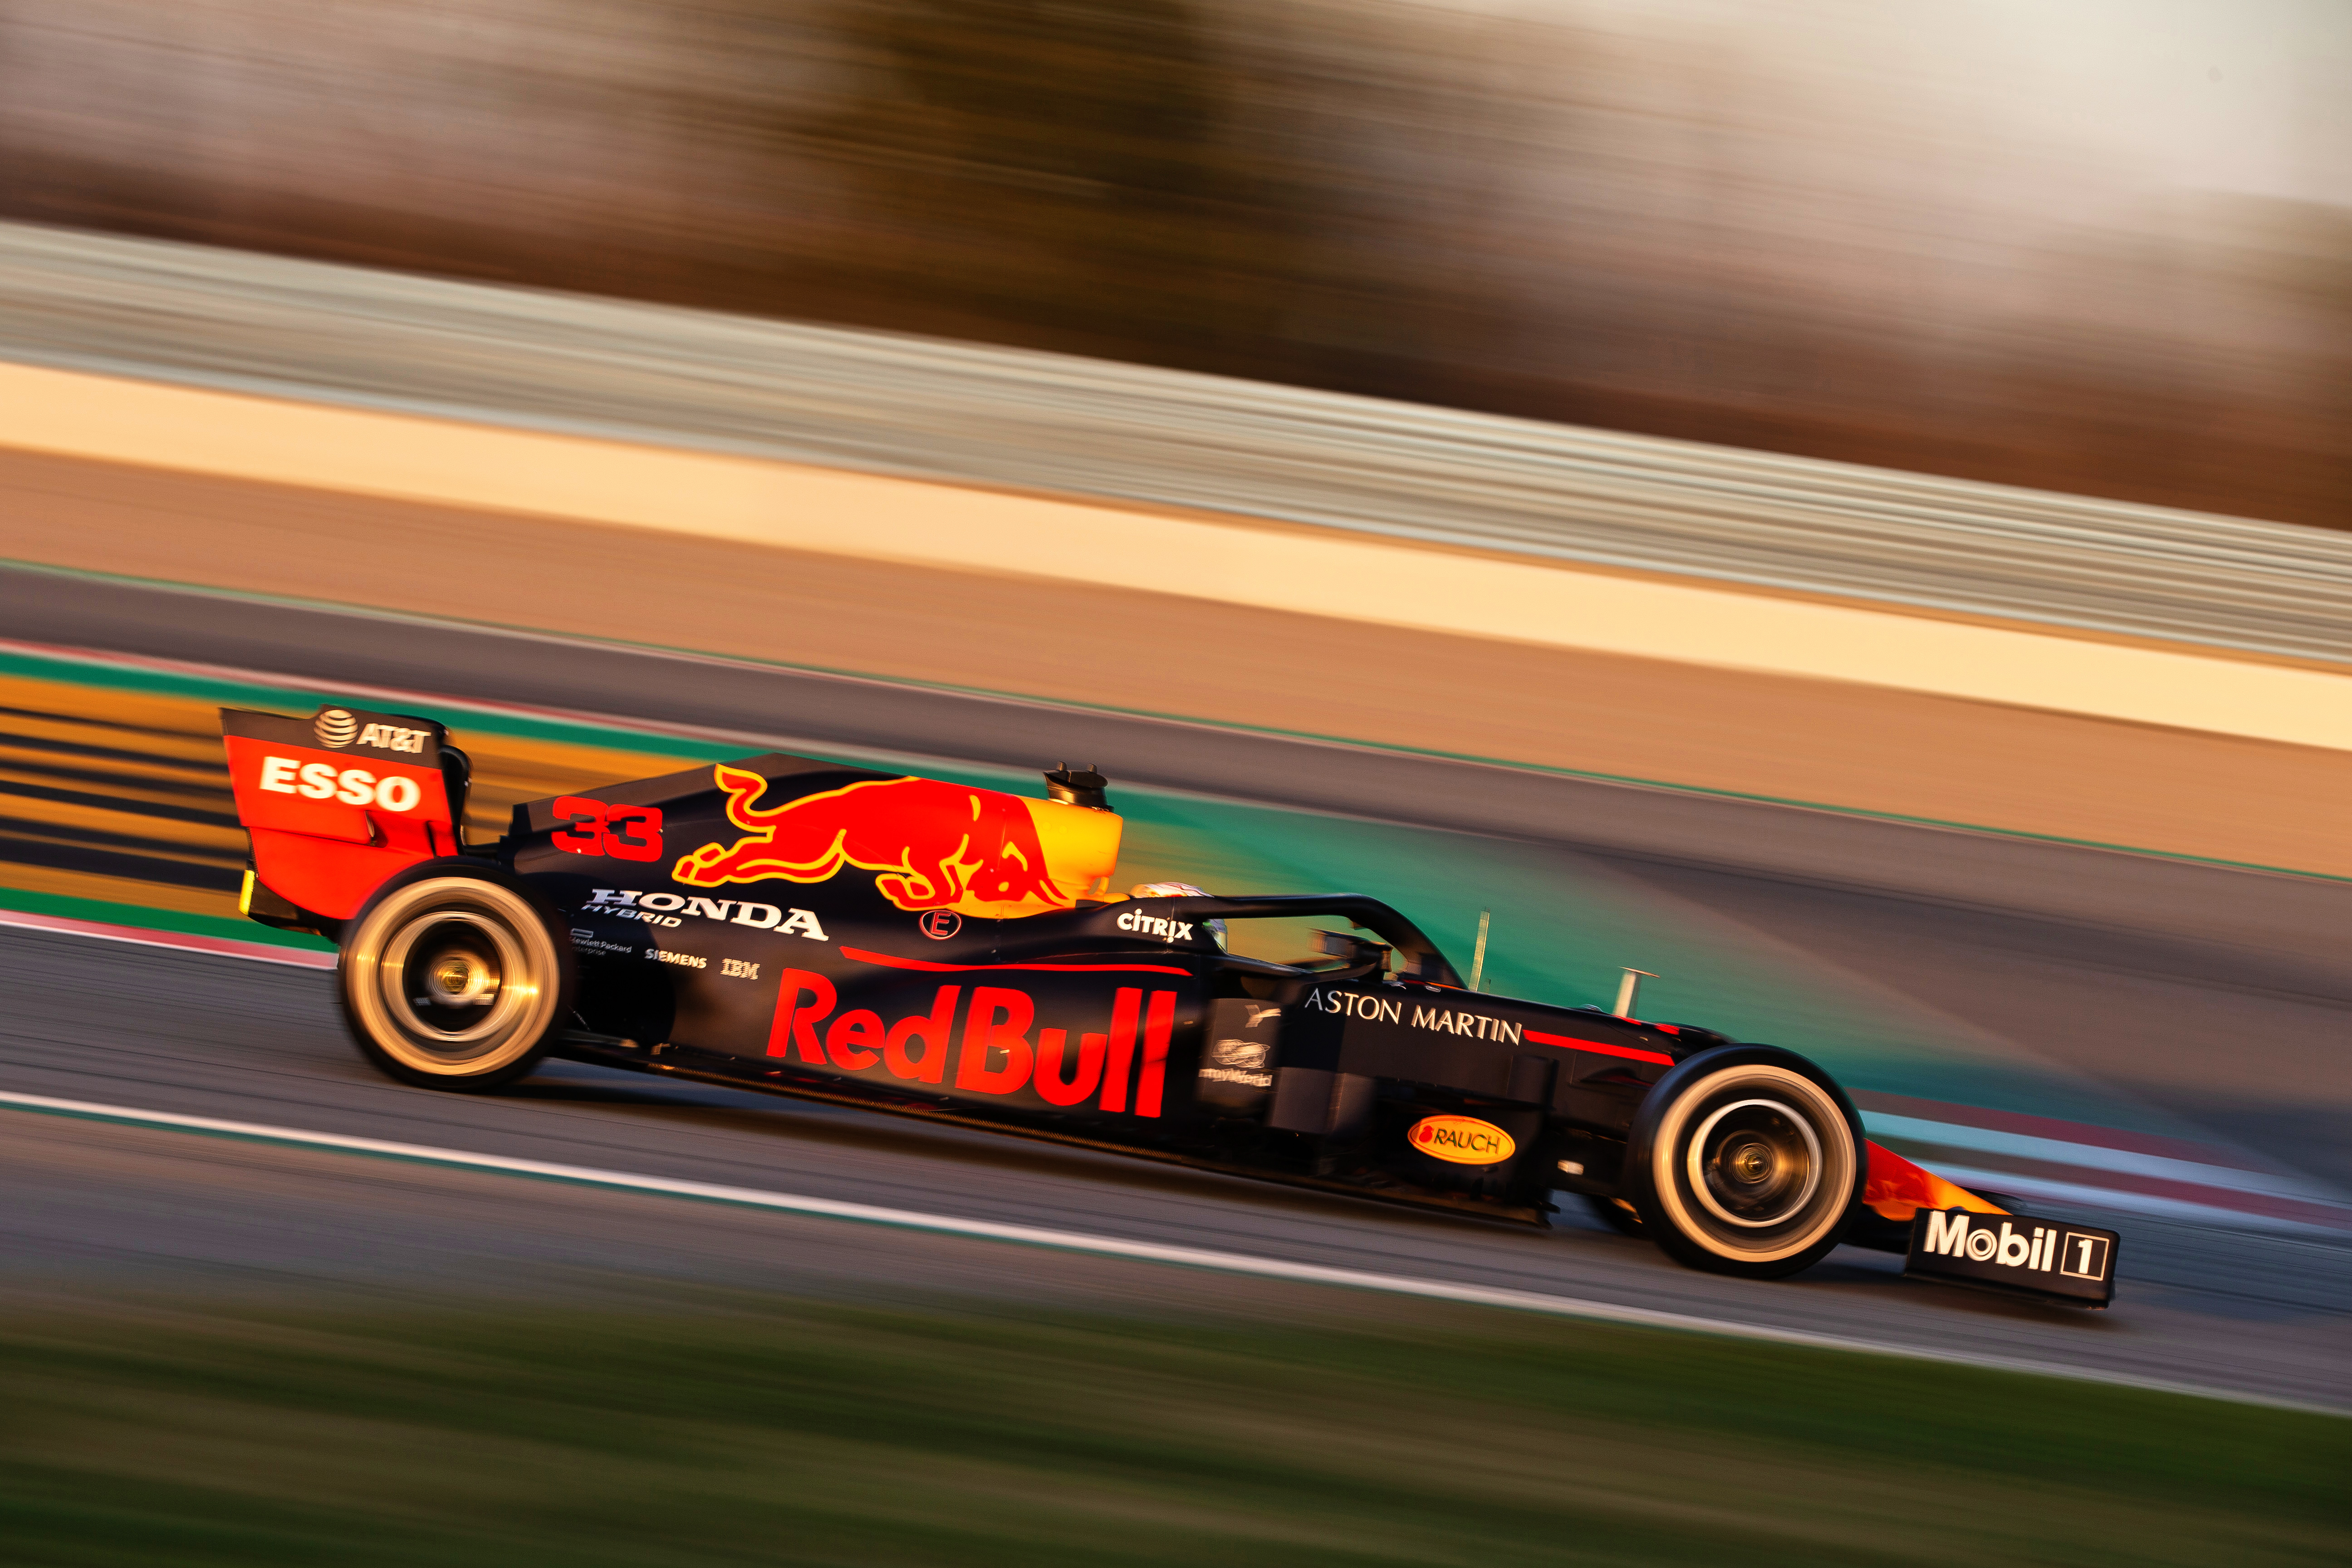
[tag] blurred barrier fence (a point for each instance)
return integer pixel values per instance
(911, 407)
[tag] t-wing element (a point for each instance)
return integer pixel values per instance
(1420, 956)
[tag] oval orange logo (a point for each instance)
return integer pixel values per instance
(1462, 1140)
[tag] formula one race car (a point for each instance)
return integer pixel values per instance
(942, 951)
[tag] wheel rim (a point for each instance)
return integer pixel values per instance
(1754, 1164)
(453, 977)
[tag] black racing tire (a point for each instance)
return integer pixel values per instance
(457, 975)
(1614, 1214)
(1745, 1159)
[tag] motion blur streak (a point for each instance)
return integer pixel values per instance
(1323, 575)
(927, 409)
(2050, 244)
(1074, 1241)
(2034, 312)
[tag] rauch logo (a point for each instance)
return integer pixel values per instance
(1461, 1141)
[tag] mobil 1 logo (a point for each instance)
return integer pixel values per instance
(2075, 1263)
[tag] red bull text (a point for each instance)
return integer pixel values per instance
(992, 1054)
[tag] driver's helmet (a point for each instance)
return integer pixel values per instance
(1216, 929)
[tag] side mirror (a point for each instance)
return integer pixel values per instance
(1353, 951)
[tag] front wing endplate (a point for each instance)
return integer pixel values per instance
(2054, 1260)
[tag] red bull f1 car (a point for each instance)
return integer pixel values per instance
(957, 953)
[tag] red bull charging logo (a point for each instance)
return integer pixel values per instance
(935, 846)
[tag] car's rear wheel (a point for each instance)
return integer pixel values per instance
(1745, 1159)
(454, 976)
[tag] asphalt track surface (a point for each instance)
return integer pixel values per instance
(2218, 993)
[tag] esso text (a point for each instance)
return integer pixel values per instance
(353, 786)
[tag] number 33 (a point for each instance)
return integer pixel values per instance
(623, 832)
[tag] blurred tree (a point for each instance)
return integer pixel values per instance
(1076, 171)
(1453, 205)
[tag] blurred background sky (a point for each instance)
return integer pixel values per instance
(2086, 245)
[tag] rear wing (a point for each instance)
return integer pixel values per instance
(336, 803)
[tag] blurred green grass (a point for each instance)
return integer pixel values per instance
(726, 1432)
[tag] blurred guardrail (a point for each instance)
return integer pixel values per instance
(942, 410)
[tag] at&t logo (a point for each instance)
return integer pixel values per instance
(339, 727)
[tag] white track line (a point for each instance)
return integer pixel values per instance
(1103, 1245)
(140, 936)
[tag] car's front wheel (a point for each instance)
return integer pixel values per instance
(1745, 1159)
(454, 976)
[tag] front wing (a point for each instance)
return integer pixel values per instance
(1949, 1234)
